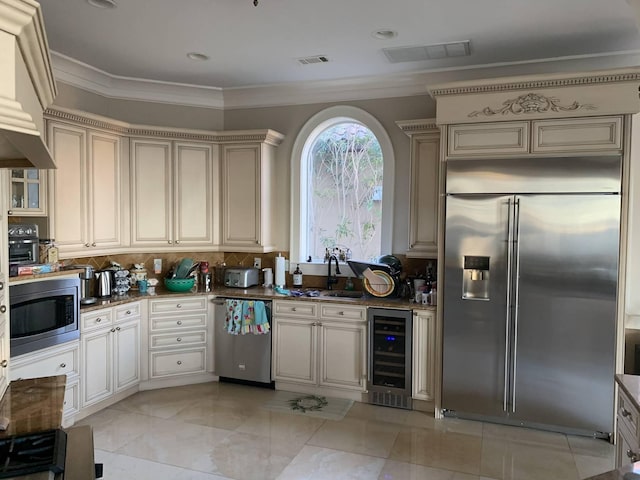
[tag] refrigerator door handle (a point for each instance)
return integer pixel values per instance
(516, 301)
(507, 352)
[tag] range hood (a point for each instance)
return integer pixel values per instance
(27, 86)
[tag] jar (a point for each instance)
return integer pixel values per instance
(137, 273)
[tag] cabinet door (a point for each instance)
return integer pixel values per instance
(577, 134)
(27, 192)
(424, 355)
(126, 354)
(294, 350)
(423, 219)
(97, 366)
(193, 194)
(151, 193)
(488, 139)
(105, 202)
(4, 354)
(343, 347)
(241, 190)
(69, 195)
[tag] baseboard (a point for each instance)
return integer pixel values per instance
(178, 381)
(356, 396)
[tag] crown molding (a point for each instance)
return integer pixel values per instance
(87, 77)
(413, 127)
(89, 120)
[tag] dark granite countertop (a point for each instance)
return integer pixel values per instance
(628, 472)
(254, 292)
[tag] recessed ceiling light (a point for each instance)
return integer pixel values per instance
(103, 3)
(200, 57)
(384, 34)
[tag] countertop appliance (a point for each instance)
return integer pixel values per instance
(244, 358)
(24, 246)
(389, 369)
(86, 279)
(530, 280)
(241, 277)
(104, 283)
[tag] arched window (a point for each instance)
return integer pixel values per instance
(342, 188)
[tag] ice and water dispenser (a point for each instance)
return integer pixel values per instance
(475, 278)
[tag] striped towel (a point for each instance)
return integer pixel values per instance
(246, 317)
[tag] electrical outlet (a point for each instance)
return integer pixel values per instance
(257, 262)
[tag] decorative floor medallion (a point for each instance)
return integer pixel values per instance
(308, 403)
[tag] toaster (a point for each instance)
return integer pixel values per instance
(241, 277)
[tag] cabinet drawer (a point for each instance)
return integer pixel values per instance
(127, 312)
(182, 322)
(45, 364)
(179, 339)
(627, 414)
(178, 362)
(292, 308)
(597, 133)
(96, 319)
(343, 312)
(488, 139)
(178, 305)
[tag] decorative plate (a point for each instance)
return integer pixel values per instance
(384, 288)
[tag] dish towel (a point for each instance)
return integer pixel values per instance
(246, 317)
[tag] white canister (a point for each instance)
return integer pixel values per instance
(280, 279)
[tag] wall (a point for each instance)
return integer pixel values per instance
(285, 119)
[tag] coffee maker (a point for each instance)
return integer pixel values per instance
(85, 285)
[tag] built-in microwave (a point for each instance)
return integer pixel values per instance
(43, 313)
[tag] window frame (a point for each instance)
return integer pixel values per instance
(301, 147)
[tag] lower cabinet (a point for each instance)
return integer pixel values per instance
(320, 344)
(61, 359)
(627, 431)
(110, 352)
(178, 331)
(424, 355)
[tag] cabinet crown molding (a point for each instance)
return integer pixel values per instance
(413, 127)
(268, 136)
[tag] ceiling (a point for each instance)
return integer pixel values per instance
(258, 46)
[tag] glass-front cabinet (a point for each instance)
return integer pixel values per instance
(27, 192)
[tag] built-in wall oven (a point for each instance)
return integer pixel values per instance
(43, 313)
(389, 372)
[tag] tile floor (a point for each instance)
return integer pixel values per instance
(219, 431)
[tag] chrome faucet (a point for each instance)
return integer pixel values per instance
(331, 280)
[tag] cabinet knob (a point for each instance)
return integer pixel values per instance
(319, 324)
(293, 309)
(93, 244)
(177, 241)
(3, 308)
(169, 242)
(178, 339)
(118, 328)
(113, 330)
(87, 245)
(1, 285)
(128, 312)
(633, 456)
(340, 313)
(179, 362)
(10, 212)
(4, 364)
(63, 365)
(179, 322)
(179, 305)
(98, 320)
(624, 412)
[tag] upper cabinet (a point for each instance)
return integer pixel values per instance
(173, 186)
(85, 190)
(27, 192)
(248, 194)
(424, 194)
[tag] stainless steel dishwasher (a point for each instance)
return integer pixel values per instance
(245, 358)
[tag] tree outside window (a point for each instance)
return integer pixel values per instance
(345, 178)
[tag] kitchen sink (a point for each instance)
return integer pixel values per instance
(341, 294)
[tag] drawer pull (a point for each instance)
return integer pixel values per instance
(293, 309)
(113, 330)
(179, 322)
(63, 365)
(3, 308)
(319, 324)
(118, 328)
(178, 339)
(179, 362)
(340, 313)
(87, 245)
(98, 320)
(93, 244)
(128, 312)
(179, 305)
(633, 456)
(4, 364)
(624, 412)
(1, 285)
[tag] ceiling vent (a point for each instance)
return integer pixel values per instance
(428, 52)
(313, 59)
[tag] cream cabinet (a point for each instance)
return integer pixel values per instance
(27, 192)
(179, 331)
(85, 190)
(320, 344)
(61, 359)
(248, 197)
(173, 187)
(424, 355)
(627, 431)
(110, 342)
(544, 137)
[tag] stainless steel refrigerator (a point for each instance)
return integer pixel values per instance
(530, 281)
